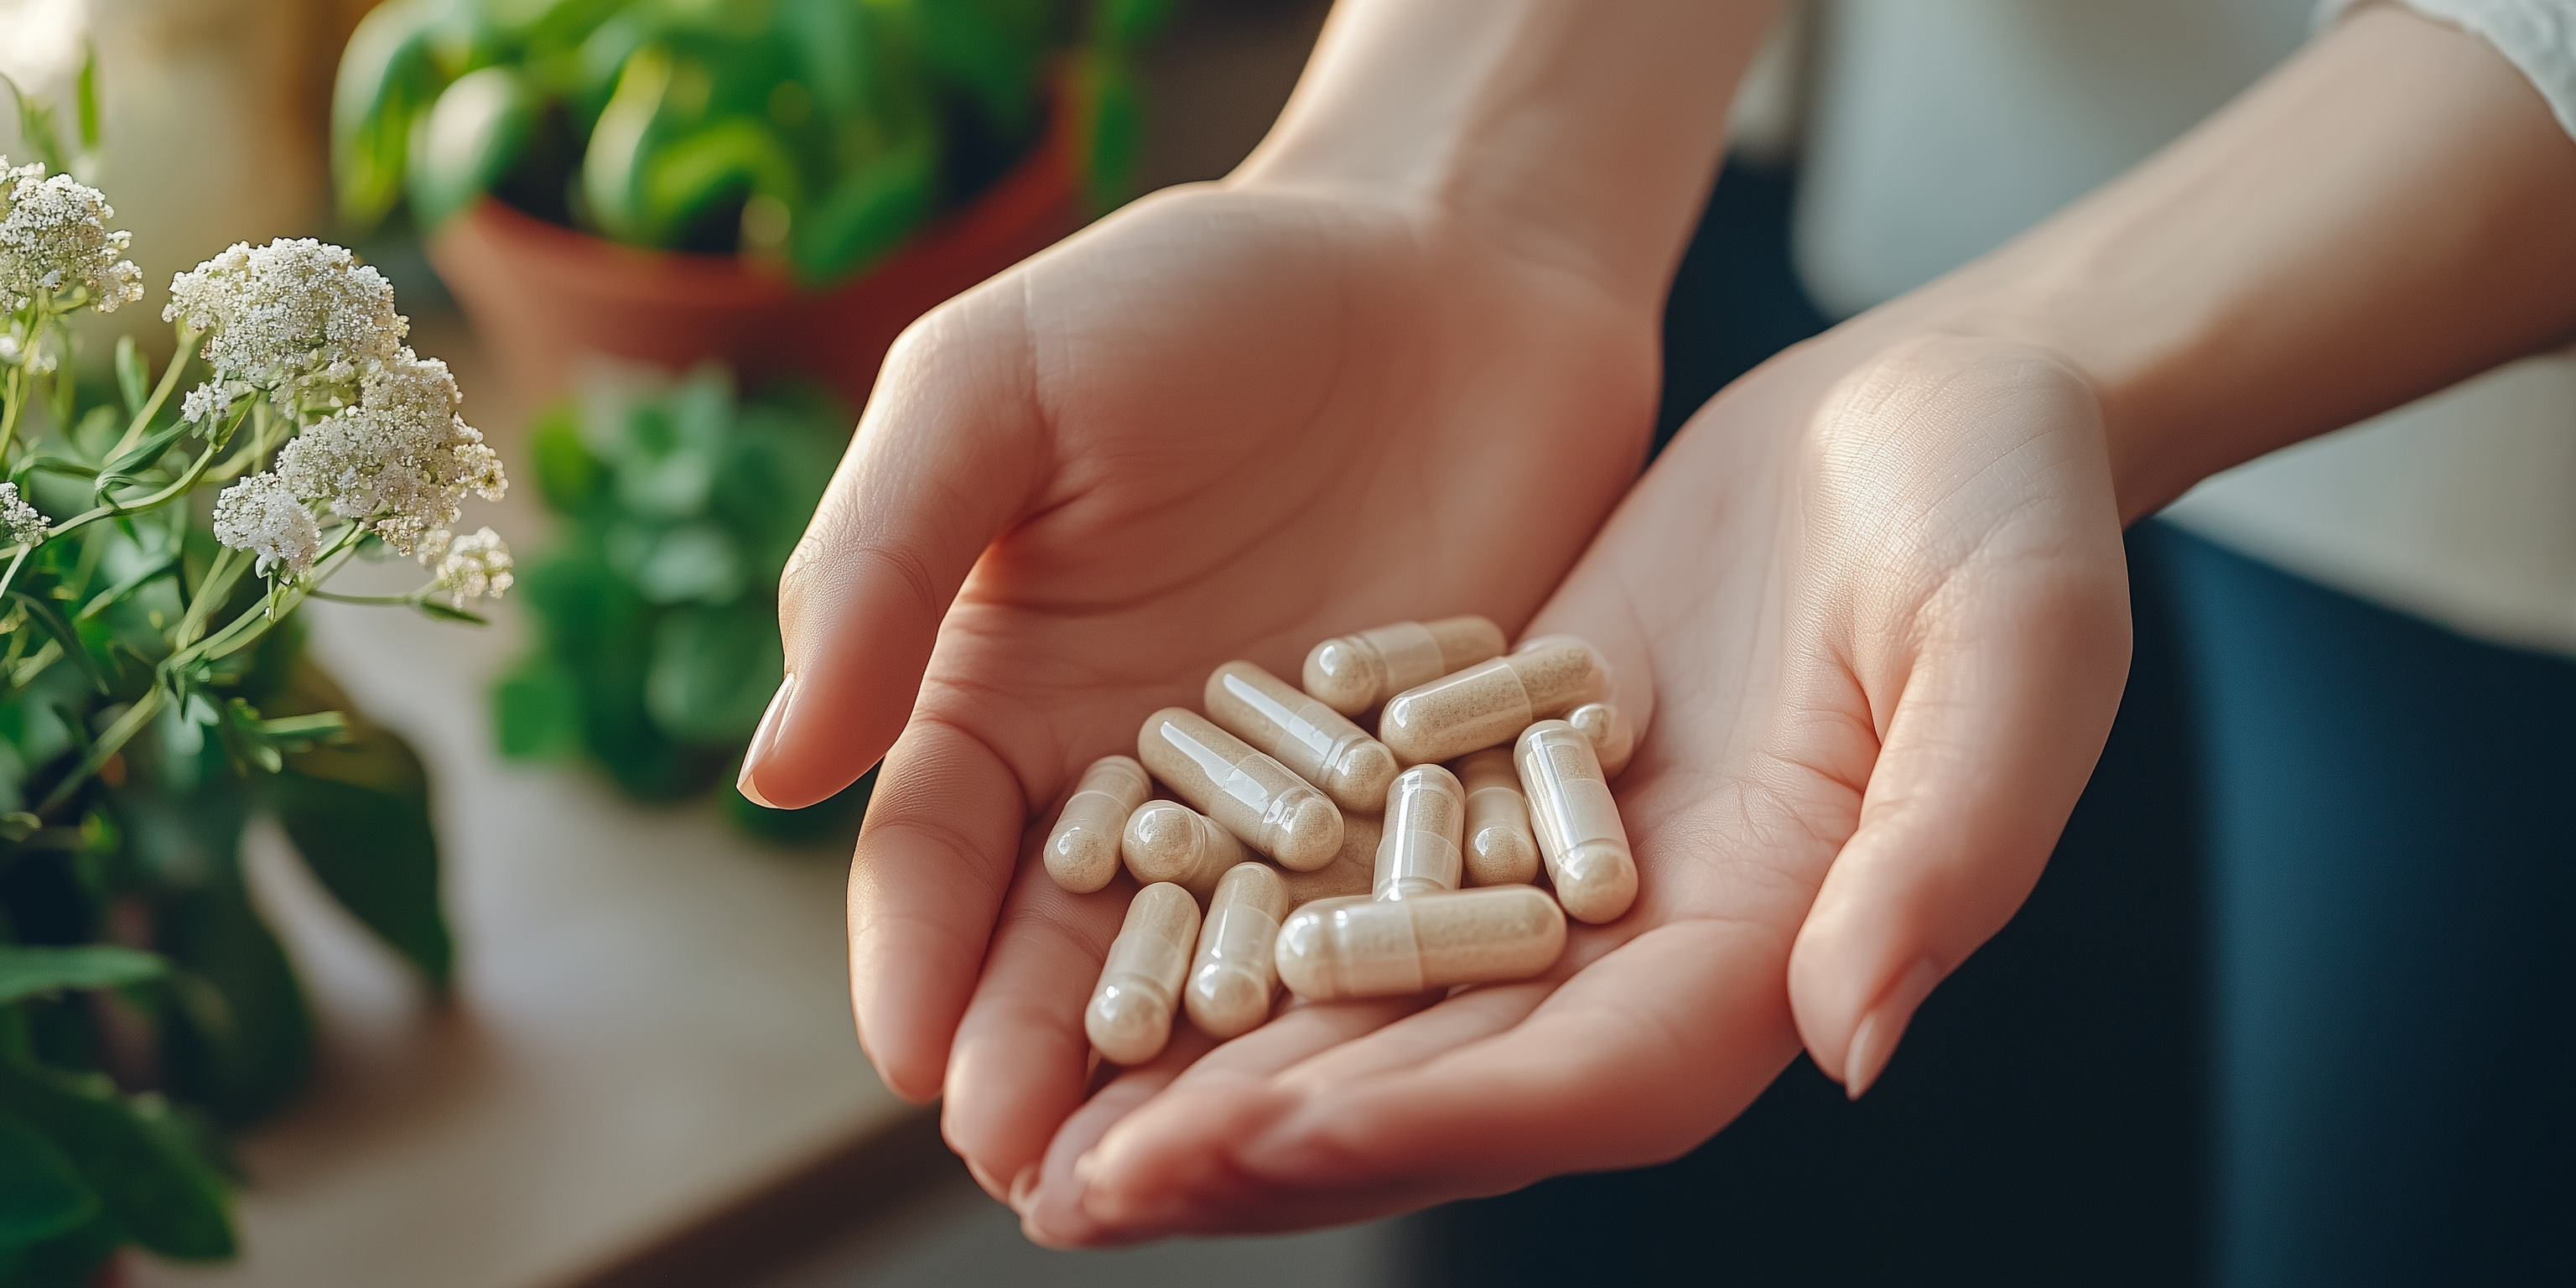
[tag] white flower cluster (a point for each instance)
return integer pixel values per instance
(471, 566)
(54, 238)
(26, 527)
(402, 460)
(290, 315)
(208, 404)
(260, 515)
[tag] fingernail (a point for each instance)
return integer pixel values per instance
(1024, 1190)
(761, 740)
(1874, 1041)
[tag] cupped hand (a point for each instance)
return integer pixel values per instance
(1880, 591)
(1225, 423)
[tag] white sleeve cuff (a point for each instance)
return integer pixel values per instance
(2537, 36)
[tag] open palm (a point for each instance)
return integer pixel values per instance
(1878, 586)
(1222, 424)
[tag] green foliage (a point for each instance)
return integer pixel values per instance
(815, 134)
(657, 607)
(153, 698)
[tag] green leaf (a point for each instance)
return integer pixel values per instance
(536, 710)
(451, 613)
(27, 972)
(387, 76)
(568, 474)
(43, 613)
(467, 140)
(358, 811)
(137, 459)
(85, 99)
(684, 177)
(41, 1195)
(713, 672)
(871, 211)
(612, 166)
(131, 1158)
(133, 378)
(1111, 133)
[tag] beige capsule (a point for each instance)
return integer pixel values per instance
(1246, 792)
(1579, 831)
(1169, 841)
(1613, 739)
(1351, 673)
(1082, 851)
(1130, 1016)
(1499, 848)
(1346, 948)
(1426, 813)
(1489, 703)
(1232, 980)
(1311, 739)
(1352, 872)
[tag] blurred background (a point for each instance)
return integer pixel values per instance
(631, 225)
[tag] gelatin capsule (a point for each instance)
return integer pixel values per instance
(1426, 812)
(1346, 948)
(1613, 739)
(1490, 702)
(1130, 1016)
(1169, 841)
(1579, 832)
(1235, 972)
(1246, 792)
(1311, 739)
(1082, 852)
(1351, 673)
(1352, 872)
(1499, 849)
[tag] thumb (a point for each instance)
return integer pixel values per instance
(1997, 728)
(945, 459)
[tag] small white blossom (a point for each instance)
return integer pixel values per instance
(207, 404)
(470, 566)
(54, 237)
(27, 527)
(38, 358)
(292, 311)
(260, 514)
(401, 461)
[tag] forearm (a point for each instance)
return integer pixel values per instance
(2391, 212)
(1579, 132)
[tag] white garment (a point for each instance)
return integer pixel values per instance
(1941, 128)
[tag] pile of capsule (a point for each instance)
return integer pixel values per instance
(1483, 768)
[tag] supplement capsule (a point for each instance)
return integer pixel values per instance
(1169, 841)
(1499, 847)
(1352, 872)
(1352, 673)
(1346, 948)
(1130, 1016)
(1425, 812)
(1488, 703)
(1311, 739)
(1235, 973)
(1579, 832)
(1613, 739)
(1247, 793)
(1082, 852)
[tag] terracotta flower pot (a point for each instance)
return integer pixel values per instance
(543, 296)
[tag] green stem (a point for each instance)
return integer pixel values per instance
(117, 735)
(114, 507)
(151, 407)
(10, 401)
(12, 575)
(394, 601)
(219, 580)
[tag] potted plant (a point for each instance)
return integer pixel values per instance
(783, 184)
(154, 548)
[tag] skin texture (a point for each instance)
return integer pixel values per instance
(1868, 612)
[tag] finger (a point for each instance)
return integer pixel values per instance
(1996, 730)
(1022, 1061)
(1056, 1217)
(945, 458)
(934, 859)
(1633, 1060)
